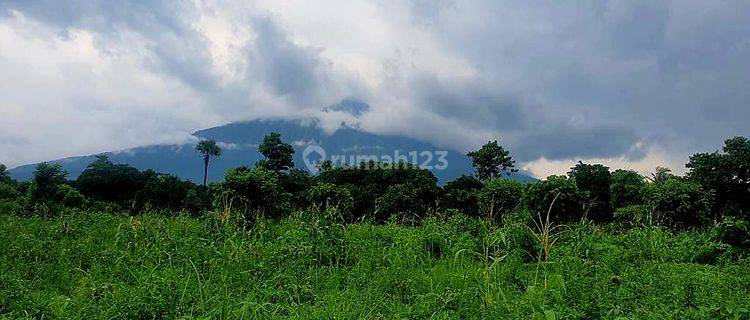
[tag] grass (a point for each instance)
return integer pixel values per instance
(108, 266)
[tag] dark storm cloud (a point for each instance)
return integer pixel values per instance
(292, 71)
(558, 79)
(471, 103)
(627, 71)
(175, 47)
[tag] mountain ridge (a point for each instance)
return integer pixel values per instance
(240, 141)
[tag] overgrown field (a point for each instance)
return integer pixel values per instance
(109, 266)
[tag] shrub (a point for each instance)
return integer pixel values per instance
(593, 182)
(8, 192)
(569, 204)
(198, 199)
(46, 179)
(461, 194)
(70, 197)
(500, 196)
(733, 232)
(402, 202)
(106, 181)
(636, 215)
(678, 203)
(326, 196)
(626, 188)
(164, 191)
(261, 191)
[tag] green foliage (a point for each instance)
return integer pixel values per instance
(678, 203)
(368, 182)
(499, 197)
(594, 181)
(327, 197)
(45, 182)
(727, 174)
(105, 181)
(207, 148)
(296, 182)
(569, 206)
(491, 161)
(403, 202)
(70, 197)
(260, 191)
(461, 194)
(733, 232)
(8, 192)
(99, 265)
(164, 191)
(4, 175)
(278, 153)
(635, 215)
(626, 188)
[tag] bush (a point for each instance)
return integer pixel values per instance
(106, 181)
(461, 194)
(733, 232)
(198, 199)
(260, 190)
(8, 192)
(678, 203)
(569, 204)
(47, 177)
(626, 188)
(164, 191)
(500, 196)
(636, 215)
(326, 196)
(401, 202)
(593, 182)
(70, 197)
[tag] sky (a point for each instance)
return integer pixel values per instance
(631, 84)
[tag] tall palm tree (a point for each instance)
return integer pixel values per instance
(208, 148)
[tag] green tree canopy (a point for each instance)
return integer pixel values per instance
(727, 174)
(626, 188)
(491, 160)
(207, 148)
(4, 175)
(594, 181)
(278, 154)
(46, 179)
(104, 180)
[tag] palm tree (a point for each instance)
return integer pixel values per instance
(208, 148)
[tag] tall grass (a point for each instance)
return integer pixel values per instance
(97, 265)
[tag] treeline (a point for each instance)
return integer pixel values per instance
(716, 190)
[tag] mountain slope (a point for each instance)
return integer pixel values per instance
(240, 142)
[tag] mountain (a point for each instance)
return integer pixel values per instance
(240, 141)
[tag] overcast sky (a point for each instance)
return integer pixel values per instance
(628, 83)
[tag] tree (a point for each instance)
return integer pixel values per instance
(106, 181)
(207, 148)
(625, 189)
(726, 174)
(46, 179)
(594, 181)
(568, 207)
(678, 203)
(500, 196)
(461, 194)
(4, 175)
(278, 153)
(491, 160)
(660, 174)
(260, 191)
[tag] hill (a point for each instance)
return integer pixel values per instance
(240, 142)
